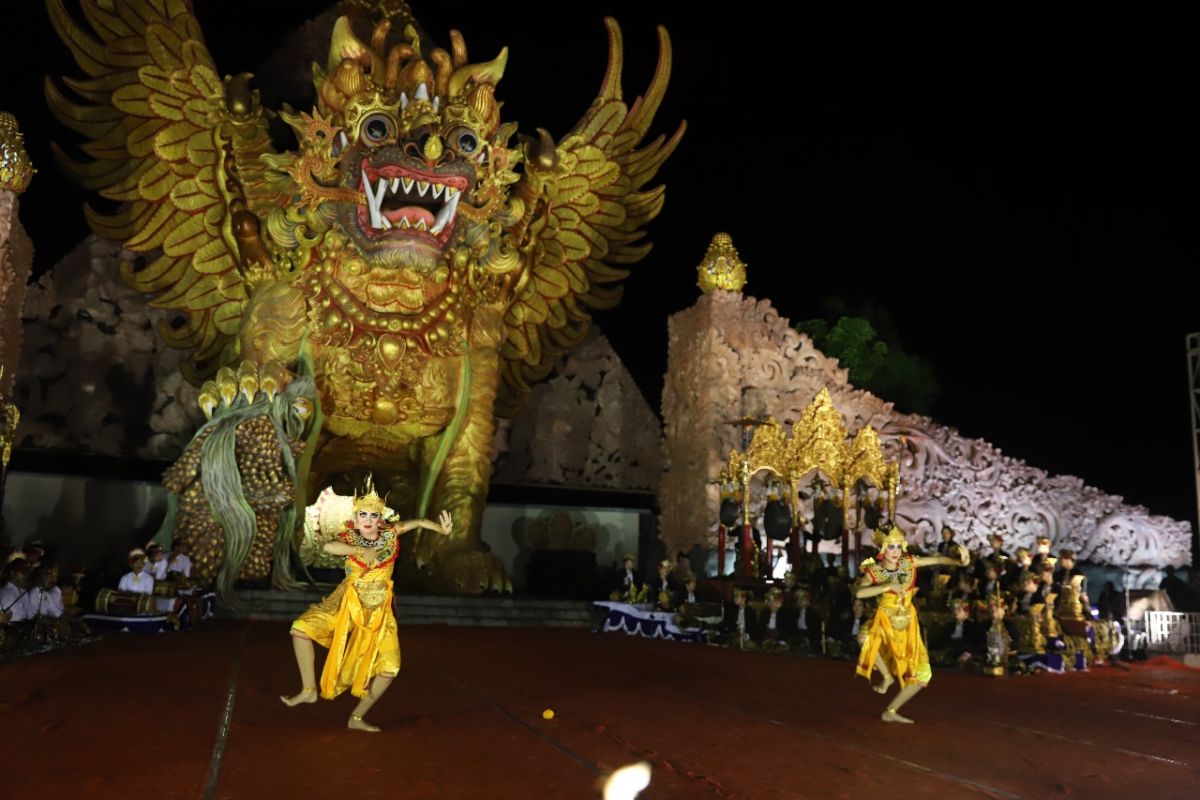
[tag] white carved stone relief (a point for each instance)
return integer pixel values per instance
(586, 426)
(732, 356)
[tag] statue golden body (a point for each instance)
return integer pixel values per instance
(398, 257)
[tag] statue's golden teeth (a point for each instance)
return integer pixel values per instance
(422, 188)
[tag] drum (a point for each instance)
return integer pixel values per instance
(166, 588)
(124, 604)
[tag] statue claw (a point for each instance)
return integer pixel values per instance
(250, 382)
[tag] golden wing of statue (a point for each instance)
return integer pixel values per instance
(179, 149)
(589, 214)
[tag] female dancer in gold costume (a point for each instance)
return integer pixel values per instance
(356, 622)
(893, 643)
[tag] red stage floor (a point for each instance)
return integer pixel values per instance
(139, 717)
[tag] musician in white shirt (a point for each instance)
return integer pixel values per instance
(137, 580)
(156, 562)
(15, 595)
(45, 595)
(179, 561)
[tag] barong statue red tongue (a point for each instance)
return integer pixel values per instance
(412, 260)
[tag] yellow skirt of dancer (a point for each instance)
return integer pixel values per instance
(895, 635)
(358, 627)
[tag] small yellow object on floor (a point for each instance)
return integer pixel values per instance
(548, 713)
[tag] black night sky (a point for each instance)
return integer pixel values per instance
(1019, 194)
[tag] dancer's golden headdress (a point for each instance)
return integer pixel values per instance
(894, 536)
(369, 500)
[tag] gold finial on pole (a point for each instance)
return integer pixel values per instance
(16, 170)
(721, 267)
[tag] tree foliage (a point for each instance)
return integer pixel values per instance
(876, 363)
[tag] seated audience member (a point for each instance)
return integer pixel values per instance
(1041, 553)
(1028, 595)
(16, 599)
(947, 546)
(837, 592)
(664, 586)
(964, 586)
(699, 611)
(741, 621)
(179, 562)
(1066, 571)
(1022, 562)
(804, 621)
(688, 595)
(989, 585)
(52, 621)
(771, 631)
(998, 553)
(47, 600)
(1046, 587)
(847, 631)
(791, 581)
(156, 562)
(628, 587)
(965, 638)
(35, 554)
(137, 580)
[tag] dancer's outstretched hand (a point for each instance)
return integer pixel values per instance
(446, 523)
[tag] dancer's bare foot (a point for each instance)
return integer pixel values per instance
(357, 723)
(887, 684)
(892, 716)
(305, 696)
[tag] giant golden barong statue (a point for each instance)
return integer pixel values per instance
(411, 268)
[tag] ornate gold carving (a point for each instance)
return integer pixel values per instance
(16, 170)
(721, 268)
(818, 443)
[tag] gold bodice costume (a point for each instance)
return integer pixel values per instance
(356, 621)
(894, 632)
